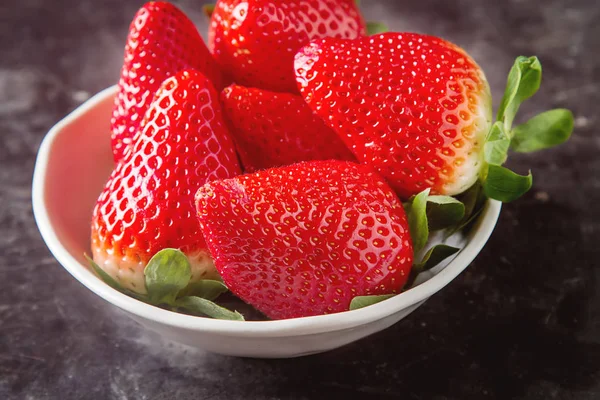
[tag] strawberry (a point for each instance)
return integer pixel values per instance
(148, 202)
(276, 129)
(255, 40)
(415, 107)
(162, 41)
(306, 239)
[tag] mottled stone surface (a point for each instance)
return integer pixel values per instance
(522, 323)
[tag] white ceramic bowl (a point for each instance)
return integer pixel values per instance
(73, 164)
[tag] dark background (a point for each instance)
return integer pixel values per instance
(523, 322)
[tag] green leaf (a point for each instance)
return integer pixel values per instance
(495, 150)
(472, 218)
(208, 10)
(103, 275)
(434, 256)
(523, 82)
(504, 185)
(444, 212)
(543, 131)
(357, 2)
(376, 28)
(474, 200)
(365, 301)
(465, 222)
(197, 305)
(417, 220)
(167, 273)
(206, 289)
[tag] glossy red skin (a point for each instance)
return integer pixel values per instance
(305, 239)
(255, 40)
(404, 103)
(162, 41)
(148, 202)
(277, 129)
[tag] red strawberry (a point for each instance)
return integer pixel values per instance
(277, 129)
(255, 40)
(415, 107)
(148, 202)
(305, 239)
(162, 41)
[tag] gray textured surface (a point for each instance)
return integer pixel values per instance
(522, 323)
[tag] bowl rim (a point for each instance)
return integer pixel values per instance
(476, 240)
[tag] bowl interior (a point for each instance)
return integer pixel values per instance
(78, 166)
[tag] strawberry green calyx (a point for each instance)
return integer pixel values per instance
(376, 28)
(167, 279)
(543, 131)
(167, 273)
(208, 10)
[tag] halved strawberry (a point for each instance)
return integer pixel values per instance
(306, 239)
(277, 129)
(255, 40)
(148, 202)
(162, 41)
